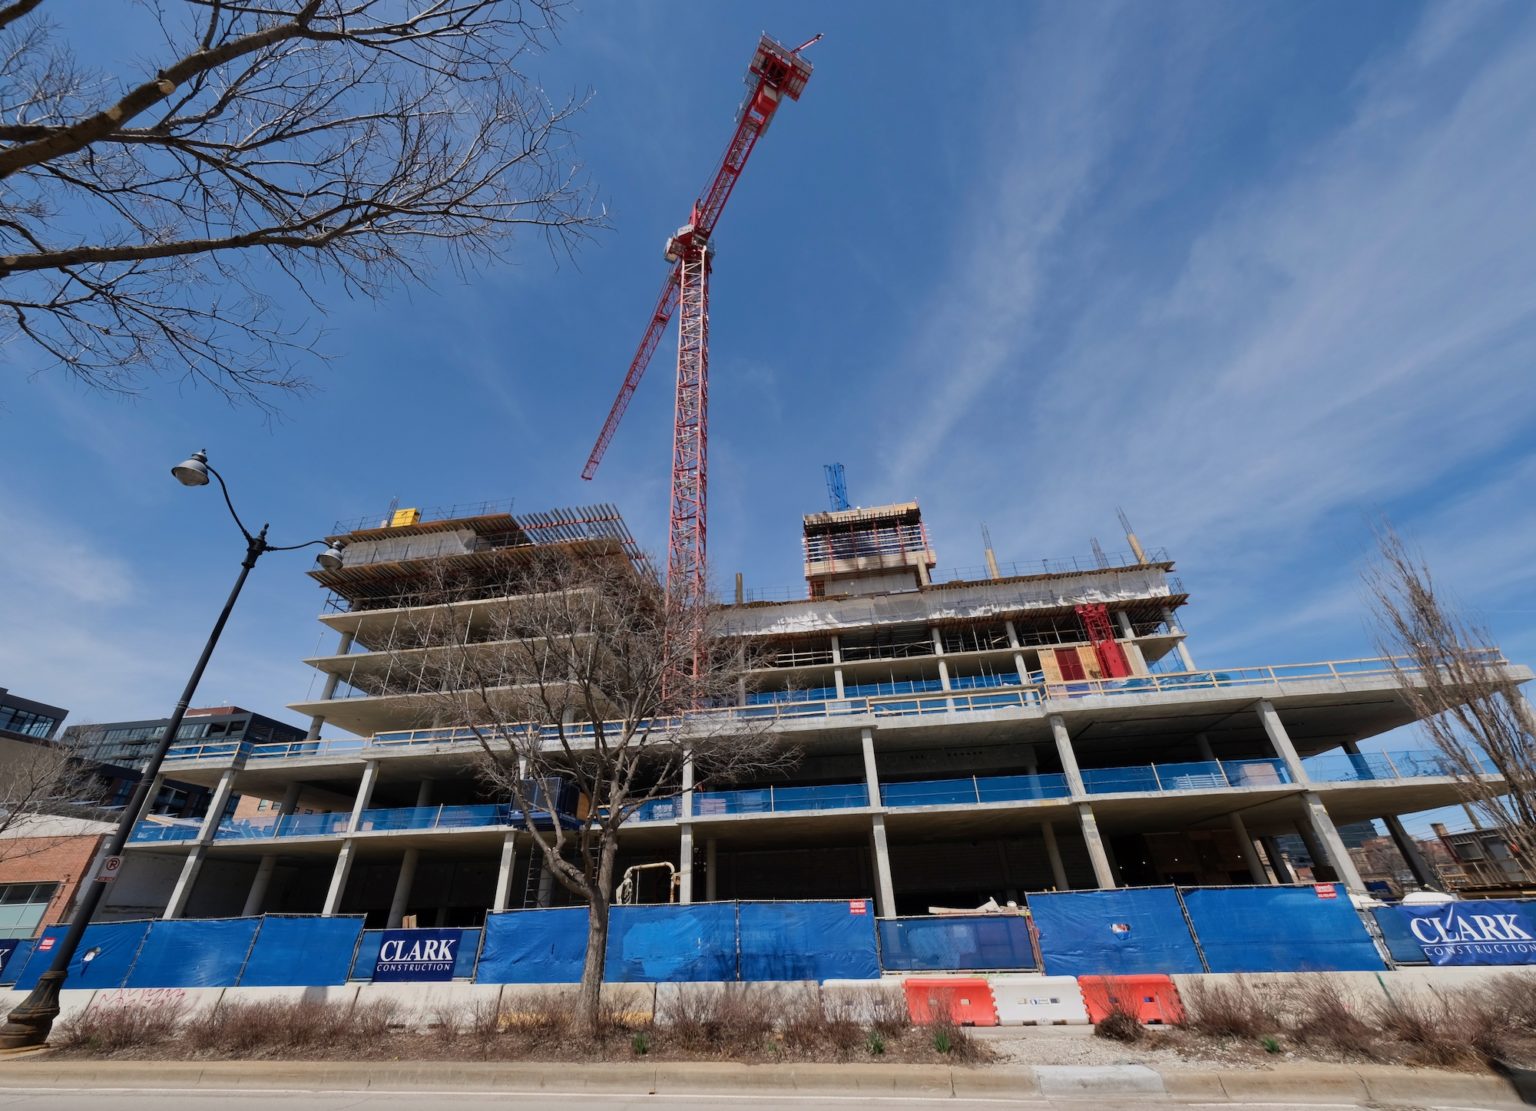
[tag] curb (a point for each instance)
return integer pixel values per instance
(1295, 1084)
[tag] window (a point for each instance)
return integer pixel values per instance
(22, 906)
(27, 723)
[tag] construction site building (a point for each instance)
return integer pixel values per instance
(961, 738)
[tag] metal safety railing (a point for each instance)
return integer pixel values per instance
(1036, 696)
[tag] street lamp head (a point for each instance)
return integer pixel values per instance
(330, 559)
(193, 471)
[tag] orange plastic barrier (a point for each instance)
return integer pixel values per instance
(1152, 999)
(966, 1000)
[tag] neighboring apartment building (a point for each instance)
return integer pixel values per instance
(43, 859)
(122, 748)
(24, 720)
(1483, 862)
(962, 737)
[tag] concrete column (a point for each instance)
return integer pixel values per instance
(1173, 626)
(837, 664)
(338, 879)
(149, 798)
(1018, 657)
(938, 651)
(258, 893)
(1250, 854)
(1409, 850)
(402, 896)
(1281, 740)
(885, 891)
(1277, 864)
(685, 867)
(1314, 847)
(687, 799)
(1031, 761)
(1124, 621)
(205, 835)
(1328, 834)
(364, 794)
(546, 881)
(871, 775)
(1068, 757)
(1053, 851)
(1203, 743)
(1101, 869)
(183, 889)
(257, 896)
(711, 888)
(343, 647)
(505, 870)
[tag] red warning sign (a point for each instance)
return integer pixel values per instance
(858, 906)
(1325, 890)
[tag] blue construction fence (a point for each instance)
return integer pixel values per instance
(1124, 931)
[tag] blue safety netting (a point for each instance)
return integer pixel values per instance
(111, 946)
(1280, 929)
(193, 953)
(954, 944)
(533, 947)
(1123, 932)
(301, 952)
(807, 941)
(1486, 931)
(671, 944)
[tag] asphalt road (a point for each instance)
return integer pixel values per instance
(100, 1099)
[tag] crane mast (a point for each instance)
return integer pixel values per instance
(775, 73)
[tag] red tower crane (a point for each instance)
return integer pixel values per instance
(775, 73)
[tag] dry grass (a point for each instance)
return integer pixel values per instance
(1314, 1016)
(735, 1023)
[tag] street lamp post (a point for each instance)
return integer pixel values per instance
(31, 1020)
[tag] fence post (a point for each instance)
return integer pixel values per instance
(1157, 779)
(437, 819)
(976, 789)
(772, 808)
(1387, 756)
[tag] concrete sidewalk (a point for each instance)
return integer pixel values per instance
(1298, 1084)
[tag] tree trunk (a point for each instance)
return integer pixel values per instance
(589, 997)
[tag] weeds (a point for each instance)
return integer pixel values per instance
(116, 1028)
(1320, 1015)
(1227, 1009)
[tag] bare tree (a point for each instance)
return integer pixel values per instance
(37, 780)
(345, 141)
(1455, 683)
(581, 669)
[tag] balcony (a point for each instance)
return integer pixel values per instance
(1336, 767)
(148, 832)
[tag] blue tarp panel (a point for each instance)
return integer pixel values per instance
(533, 947)
(672, 944)
(193, 953)
(955, 944)
(302, 952)
(118, 943)
(1113, 933)
(14, 952)
(1280, 929)
(1493, 931)
(807, 941)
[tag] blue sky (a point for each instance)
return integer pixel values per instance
(1256, 273)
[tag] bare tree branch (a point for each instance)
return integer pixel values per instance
(578, 670)
(1474, 715)
(346, 143)
(37, 780)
